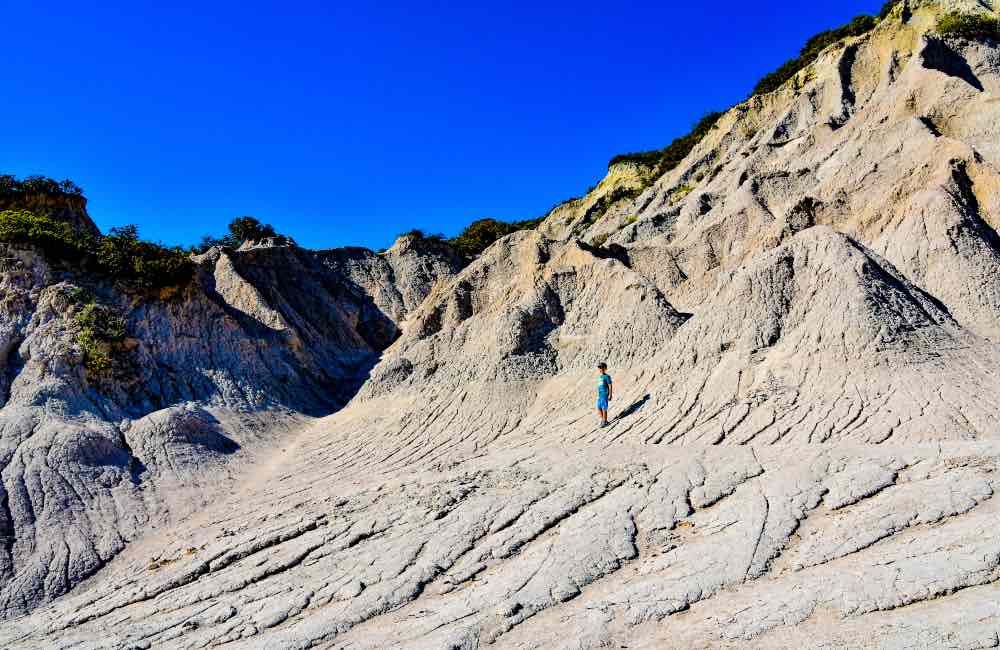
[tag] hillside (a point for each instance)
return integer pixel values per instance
(348, 449)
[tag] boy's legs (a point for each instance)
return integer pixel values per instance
(602, 409)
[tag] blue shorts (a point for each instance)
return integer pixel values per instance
(602, 402)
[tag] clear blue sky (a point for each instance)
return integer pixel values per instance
(347, 123)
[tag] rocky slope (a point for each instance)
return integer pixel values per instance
(891, 138)
(801, 320)
(260, 339)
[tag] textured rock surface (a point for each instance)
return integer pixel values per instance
(806, 430)
(891, 138)
(262, 338)
(398, 279)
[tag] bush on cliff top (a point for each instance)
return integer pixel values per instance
(480, 234)
(120, 255)
(241, 229)
(663, 160)
(477, 236)
(11, 185)
(811, 51)
(969, 26)
(141, 264)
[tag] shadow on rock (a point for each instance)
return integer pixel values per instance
(633, 408)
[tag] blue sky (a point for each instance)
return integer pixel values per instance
(347, 123)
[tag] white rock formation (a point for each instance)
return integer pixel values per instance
(805, 436)
(261, 339)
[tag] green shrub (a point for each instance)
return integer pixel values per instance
(100, 334)
(969, 26)
(480, 235)
(140, 264)
(640, 158)
(56, 238)
(477, 236)
(120, 256)
(79, 295)
(247, 228)
(663, 160)
(811, 51)
(11, 185)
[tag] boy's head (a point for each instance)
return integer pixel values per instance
(603, 367)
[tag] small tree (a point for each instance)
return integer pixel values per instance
(241, 229)
(246, 228)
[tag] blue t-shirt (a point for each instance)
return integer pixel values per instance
(603, 385)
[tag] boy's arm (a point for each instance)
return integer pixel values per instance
(611, 388)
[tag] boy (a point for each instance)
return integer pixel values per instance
(605, 391)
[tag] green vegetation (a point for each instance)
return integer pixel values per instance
(100, 335)
(141, 264)
(663, 160)
(56, 238)
(43, 196)
(417, 233)
(241, 229)
(811, 51)
(858, 26)
(678, 193)
(12, 186)
(120, 256)
(603, 204)
(969, 26)
(569, 200)
(478, 235)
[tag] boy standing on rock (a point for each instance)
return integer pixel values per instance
(605, 391)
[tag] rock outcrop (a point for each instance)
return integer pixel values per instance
(890, 137)
(801, 321)
(398, 279)
(261, 339)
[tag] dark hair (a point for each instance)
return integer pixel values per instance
(602, 366)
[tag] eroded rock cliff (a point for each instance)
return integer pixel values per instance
(801, 321)
(222, 368)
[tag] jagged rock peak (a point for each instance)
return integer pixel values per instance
(266, 242)
(801, 324)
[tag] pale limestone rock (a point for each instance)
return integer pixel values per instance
(805, 437)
